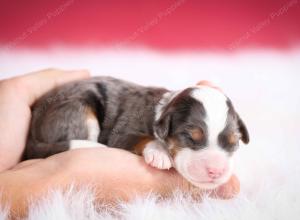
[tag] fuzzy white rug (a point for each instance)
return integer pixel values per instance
(265, 88)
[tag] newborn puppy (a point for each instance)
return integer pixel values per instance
(195, 130)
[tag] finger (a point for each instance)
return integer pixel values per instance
(208, 83)
(227, 190)
(25, 164)
(38, 83)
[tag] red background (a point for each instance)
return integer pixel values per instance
(192, 25)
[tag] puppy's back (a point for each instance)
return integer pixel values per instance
(60, 116)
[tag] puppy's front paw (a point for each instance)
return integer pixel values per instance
(156, 156)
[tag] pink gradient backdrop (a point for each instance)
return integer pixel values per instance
(181, 24)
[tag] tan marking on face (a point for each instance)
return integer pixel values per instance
(174, 147)
(196, 134)
(232, 138)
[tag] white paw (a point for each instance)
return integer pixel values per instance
(75, 144)
(156, 156)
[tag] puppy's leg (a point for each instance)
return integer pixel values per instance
(75, 144)
(156, 155)
(93, 129)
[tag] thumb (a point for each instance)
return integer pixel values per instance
(38, 83)
(209, 84)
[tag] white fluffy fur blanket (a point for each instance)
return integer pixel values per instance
(264, 85)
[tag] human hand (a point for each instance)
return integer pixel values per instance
(114, 175)
(16, 96)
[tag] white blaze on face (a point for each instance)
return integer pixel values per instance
(216, 109)
(211, 166)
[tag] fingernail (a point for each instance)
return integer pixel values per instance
(82, 71)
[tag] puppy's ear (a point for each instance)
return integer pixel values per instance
(162, 126)
(243, 130)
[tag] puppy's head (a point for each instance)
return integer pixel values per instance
(202, 131)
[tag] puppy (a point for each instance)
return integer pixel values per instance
(195, 130)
